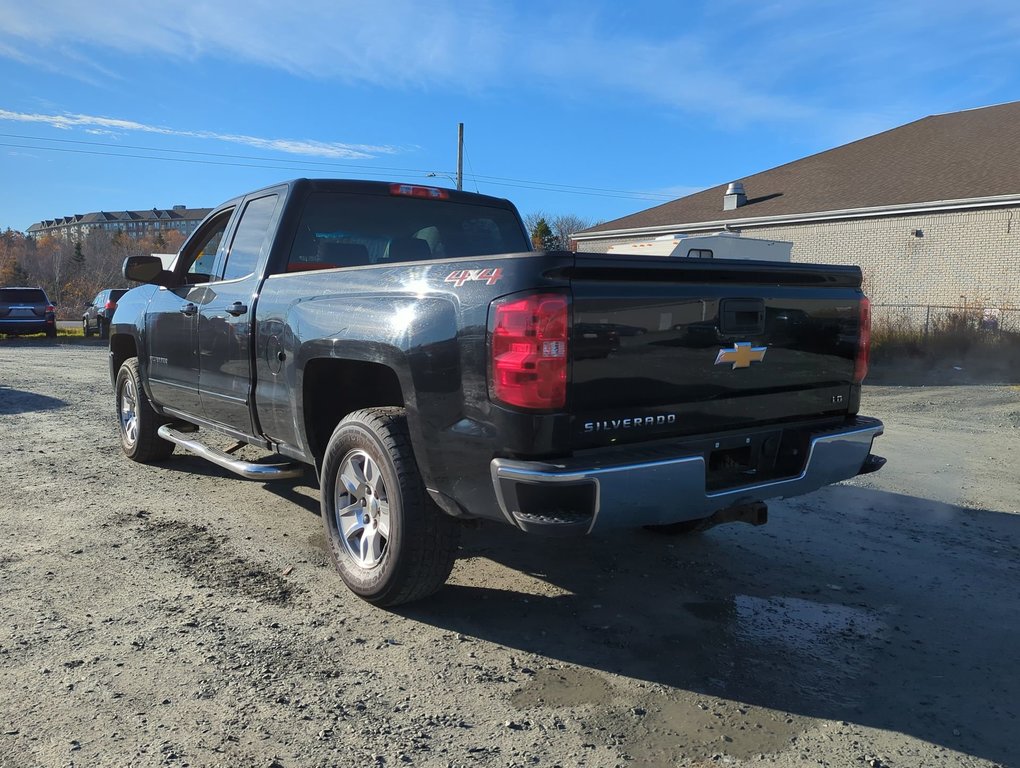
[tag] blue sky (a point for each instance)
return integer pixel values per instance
(595, 108)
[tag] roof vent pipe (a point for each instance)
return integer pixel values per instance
(734, 197)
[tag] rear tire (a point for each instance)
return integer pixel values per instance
(85, 330)
(137, 420)
(389, 541)
(51, 332)
(103, 329)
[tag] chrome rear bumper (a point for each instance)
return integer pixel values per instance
(555, 497)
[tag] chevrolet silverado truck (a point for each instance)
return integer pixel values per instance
(406, 343)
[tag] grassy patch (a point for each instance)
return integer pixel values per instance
(63, 334)
(947, 334)
(950, 341)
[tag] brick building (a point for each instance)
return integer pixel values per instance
(930, 211)
(180, 218)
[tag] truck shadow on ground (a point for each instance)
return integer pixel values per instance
(302, 491)
(852, 604)
(14, 401)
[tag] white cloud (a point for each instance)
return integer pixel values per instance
(783, 61)
(477, 46)
(111, 126)
(395, 42)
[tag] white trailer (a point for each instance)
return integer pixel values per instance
(720, 245)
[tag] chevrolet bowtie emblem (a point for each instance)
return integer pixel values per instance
(742, 355)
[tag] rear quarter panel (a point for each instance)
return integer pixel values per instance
(425, 321)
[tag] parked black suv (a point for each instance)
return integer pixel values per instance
(99, 312)
(27, 310)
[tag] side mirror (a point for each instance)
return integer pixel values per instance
(146, 269)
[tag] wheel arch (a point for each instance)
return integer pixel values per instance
(122, 347)
(333, 388)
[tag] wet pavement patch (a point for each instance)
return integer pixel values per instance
(712, 729)
(814, 651)
(567, 687)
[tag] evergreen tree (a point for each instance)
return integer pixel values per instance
(78, 257)
(542, 237)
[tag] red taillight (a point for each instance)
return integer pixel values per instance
(529, 351)
(413, 190)
(863, 341)
(110, 305)
(50, 308)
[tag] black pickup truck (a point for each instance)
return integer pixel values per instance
(407, 343)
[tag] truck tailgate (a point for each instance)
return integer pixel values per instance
(664, 347)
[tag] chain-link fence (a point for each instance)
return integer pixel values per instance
(928, 319)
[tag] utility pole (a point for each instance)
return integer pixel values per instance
(460, 156)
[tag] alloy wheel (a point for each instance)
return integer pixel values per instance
(362, 509)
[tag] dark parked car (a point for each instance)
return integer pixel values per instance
(99, 312)
(27, 310)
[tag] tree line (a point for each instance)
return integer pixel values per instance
(73, 272)
(552, 233)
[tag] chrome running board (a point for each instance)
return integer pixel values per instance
(247, 469)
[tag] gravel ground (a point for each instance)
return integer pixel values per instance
(175, 615)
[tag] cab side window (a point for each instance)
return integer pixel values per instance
(251, 237)
(198, 260)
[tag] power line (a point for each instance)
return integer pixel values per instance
(305, 165)
(327, 164)
(650, 196)
(164, 159)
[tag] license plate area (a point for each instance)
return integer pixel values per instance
(742, 460)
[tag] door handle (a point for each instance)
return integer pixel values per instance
(237, 309)
(189, 309)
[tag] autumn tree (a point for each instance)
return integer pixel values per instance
(72, 272)
(12, 256)
(169, 241)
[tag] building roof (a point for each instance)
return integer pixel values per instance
(955, 156)
(177, 213)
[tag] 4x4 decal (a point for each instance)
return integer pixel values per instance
(460, 276)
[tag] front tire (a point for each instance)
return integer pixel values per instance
(136, 418)
(389, 541)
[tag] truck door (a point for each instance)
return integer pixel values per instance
(171, 321)
(226, 317)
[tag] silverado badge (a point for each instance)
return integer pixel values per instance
(742, 355)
